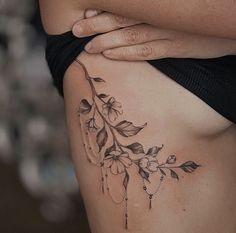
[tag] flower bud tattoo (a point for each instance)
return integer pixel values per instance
(117, 158)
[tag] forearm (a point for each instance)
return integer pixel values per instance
(217, 18)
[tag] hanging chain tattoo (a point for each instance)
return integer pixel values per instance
(116, 159)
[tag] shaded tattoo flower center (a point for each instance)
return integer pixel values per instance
(117, 161)
(112, 109)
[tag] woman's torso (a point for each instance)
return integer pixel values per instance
(200, 202)
(188, 128)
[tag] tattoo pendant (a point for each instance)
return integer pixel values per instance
(115, 159)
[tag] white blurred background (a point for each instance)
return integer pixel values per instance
(38, 191)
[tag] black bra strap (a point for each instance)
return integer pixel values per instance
(61, 51)
(212, 80)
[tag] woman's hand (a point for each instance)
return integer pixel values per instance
(127, 39)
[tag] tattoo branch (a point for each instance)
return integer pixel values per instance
(115, 159)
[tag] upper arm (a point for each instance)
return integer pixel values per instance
(59, 16)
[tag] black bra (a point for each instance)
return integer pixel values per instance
(212, 80)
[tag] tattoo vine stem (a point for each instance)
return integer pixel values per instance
(115, 159)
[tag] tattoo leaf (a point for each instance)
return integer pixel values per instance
(127, 129)
(189, 166)
(162, 172)
(144, 174)
(109, 150)
(136, 148)
(119, 160)
(102, 138)
(153, 151)
(84, 107)
(174, 174)
(103, 95)
(98, 80)
(126, 180)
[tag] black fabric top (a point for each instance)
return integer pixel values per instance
(212, 80)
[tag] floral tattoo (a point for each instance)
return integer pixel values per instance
(117, 158)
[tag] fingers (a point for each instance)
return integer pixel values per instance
(92, 12)
(101, 23)
(127, 36)
(147, 51)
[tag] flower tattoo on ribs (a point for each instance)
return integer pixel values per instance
(116, 158)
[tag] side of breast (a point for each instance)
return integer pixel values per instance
(148, 90)
(127, 116)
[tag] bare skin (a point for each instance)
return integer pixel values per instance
(203, 201)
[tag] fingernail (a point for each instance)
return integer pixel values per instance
(91, 13)
(107, 52)
(78, 30)
(88, 47)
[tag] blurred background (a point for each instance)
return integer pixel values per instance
(38, 190)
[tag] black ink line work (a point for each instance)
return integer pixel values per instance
(116, 159)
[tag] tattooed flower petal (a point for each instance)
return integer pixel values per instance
(143, 163)
(112, 109)
(105, 110)
(117, 161)
(108, 162)
(112, 115)
(117, 107)
(152, 167)
(117, 168)
(149, 164)
(126, 161)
